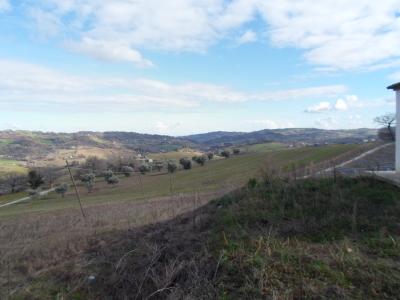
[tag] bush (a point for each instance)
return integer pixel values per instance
(236, 151)
(172, 167)
(127, 171)
(225, 154)
(144, 169)
(112, 180)
(89, 180)
(88, 177)
(158, 165)
(201, 160)
(210, 155)
(186, 164)
(35, 180)
(252, 183)
(107, 174)
(62, 189)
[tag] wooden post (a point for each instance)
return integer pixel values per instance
(76, 190)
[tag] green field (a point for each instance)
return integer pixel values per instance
(260, 148)
(215, 175)
(11, 166)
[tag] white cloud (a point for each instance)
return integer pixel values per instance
(125, 28)
(110, 50)
(270, 124)
(320, 107)
(248, 37)
(338, 34)
(5, 5)
(341, 104)
(350, 101)
(335, 34)
(23, 84)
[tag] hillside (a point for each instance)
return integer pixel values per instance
(295, 135)
(27, 145)
(274, 239)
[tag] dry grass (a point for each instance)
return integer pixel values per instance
(34, 244)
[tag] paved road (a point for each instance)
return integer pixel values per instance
(350, 170)
(26, 198)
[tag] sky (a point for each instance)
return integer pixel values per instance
(180, 67)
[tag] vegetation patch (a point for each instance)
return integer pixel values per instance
(273, 239)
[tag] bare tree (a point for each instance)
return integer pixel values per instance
(50, 175)
(15, 182)
(387, 122)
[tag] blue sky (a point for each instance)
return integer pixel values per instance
(188, 66)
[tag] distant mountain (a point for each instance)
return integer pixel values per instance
(291, 135)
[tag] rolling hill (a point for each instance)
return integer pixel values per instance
(292, 135)
(27, 145)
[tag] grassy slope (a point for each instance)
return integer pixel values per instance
(264, 147)
(316, 238)
(312, 239)
(217, 174)
(11, 166)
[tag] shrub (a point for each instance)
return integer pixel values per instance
(172, 167)
(127, 171)
(159, 165)
(252, 183)
(144, 169)
(112, 180)
(210, 155)
(201, 160)
(225, 154)
(107, 174)
(89, 180)
(186, 163)
(35, 180)
(236, 151)
(62, 189)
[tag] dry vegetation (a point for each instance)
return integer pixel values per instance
(33, 245)
(275, 239)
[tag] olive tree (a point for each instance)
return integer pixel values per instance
(89, 181)
(186, 163)
(62, 189)
(201, 160)
(144, 169)
(127, 171)
(112, 180)
(172, 167)
(225, 154)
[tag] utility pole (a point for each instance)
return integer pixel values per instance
(76, 189)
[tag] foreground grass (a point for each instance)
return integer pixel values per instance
(215, 175)
(274, 239)
(310, 239)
